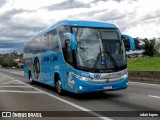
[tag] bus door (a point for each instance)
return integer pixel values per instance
(45, 67)
(53, 65)
(69, 59)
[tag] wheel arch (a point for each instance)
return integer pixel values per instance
(58, 83)
(56, 75)
(29, 74)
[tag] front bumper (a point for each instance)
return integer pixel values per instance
(87, 87)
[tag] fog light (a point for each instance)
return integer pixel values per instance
(80, 87)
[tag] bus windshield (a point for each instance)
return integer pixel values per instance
(99, 48)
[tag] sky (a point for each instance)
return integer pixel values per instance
(22, 19)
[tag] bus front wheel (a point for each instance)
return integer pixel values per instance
(58, 85)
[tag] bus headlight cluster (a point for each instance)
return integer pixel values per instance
(80, 87)
(124, 76)
(82, 78)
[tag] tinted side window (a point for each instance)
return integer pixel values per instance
(53, 40)
(38, 46)
(61, 31)
(44, 42)
(33, 46)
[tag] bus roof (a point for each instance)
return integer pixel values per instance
(86, 23)
(81, 23)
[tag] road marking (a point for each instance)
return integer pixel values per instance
(69, 103)
(11, 82)
(15, 84)
(18, 73)
(7, 76)
(145, 83)
(7, 82)
(16, 91)
(154, 96)
(15, 72)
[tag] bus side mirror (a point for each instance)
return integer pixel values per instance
(68, 51)
(72, 40)
(131, 41)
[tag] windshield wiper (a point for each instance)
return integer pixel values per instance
(99, 56)
(97, 60)
(112, 59)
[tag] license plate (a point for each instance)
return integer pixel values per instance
(107, 87)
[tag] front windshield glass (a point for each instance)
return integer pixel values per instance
(99, 48)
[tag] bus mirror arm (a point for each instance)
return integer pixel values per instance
(130, 39)
(72, 40)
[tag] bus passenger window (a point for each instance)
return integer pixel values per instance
(53, 41)
(44, 43)
(62, 30)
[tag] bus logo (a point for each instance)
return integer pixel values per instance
(97, 75)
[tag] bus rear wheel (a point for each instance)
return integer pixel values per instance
(58, 85)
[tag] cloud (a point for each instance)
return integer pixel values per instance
(2, 3)
(15, 30)
(152, 16)
(20, 30)
(67, 4)
(110, 15)
(11, 27)
(95, 1)
(10, 46)
(11, 13)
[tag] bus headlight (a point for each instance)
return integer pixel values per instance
(82, 78)
(124, 76)
(80, 87)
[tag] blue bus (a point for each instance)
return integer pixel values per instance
(78, 56)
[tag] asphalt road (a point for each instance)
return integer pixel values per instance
(16, 94)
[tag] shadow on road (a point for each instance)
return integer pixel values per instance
(84, 96)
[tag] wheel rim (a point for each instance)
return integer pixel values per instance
(59, 86)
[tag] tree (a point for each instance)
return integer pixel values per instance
(137, 44)
(8, 60)
(149, 47)
(126, 44)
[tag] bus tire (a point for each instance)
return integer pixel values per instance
(30, 78)
(58, 85)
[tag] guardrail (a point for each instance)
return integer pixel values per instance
(145, 76)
